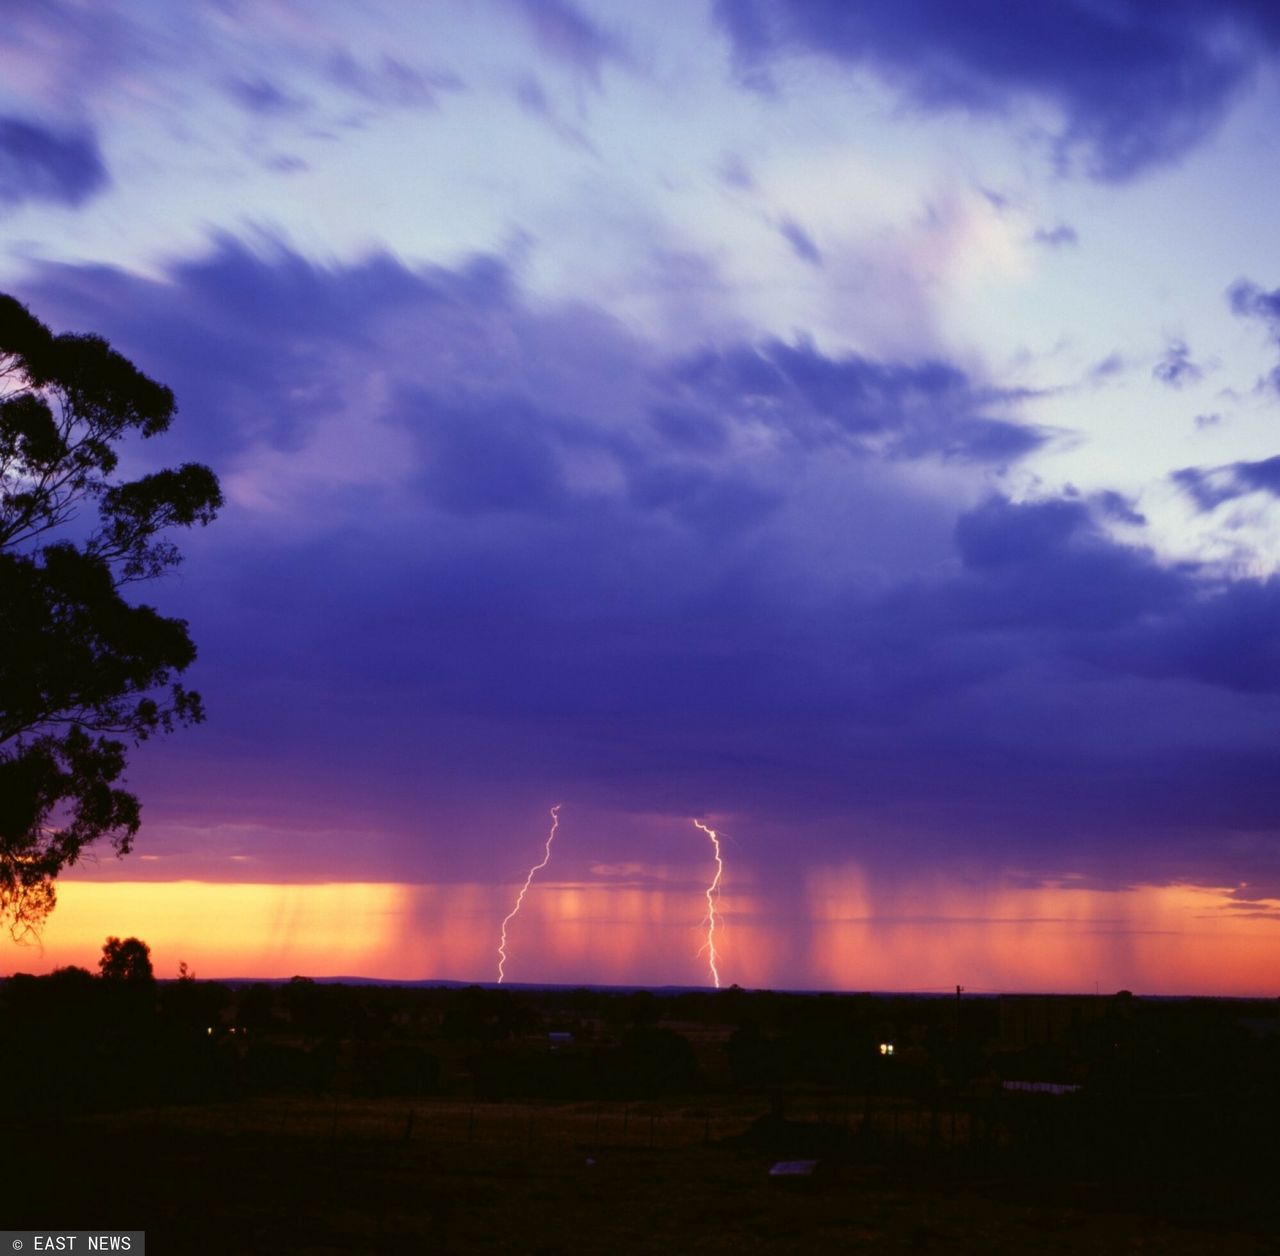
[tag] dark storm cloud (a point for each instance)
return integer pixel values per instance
(38, 163)
(1209, 487)
(463, 476)
(473, 543)
(260, 336)
(1175, 368)
(1230, 639)
(907, 410)
(1138, 83)
(1049, 566)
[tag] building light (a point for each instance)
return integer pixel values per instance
(886, 1048)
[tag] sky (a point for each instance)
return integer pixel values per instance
(854, 427)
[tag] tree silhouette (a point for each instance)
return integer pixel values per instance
(127, 960)
(81, 668)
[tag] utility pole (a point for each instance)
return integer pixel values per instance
(959, 991)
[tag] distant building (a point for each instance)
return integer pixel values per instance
(1041, 1088)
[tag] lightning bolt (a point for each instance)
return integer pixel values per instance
(713, 891)
(524, 889)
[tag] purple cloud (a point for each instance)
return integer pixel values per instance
(476, 542)
(1050, 566)
(563, 31)
(1112, 364)
(1210, 487)
(906, 410)
(41, 164)
(1250, 301)
(262, 97)
(533, 99)
(1139, 84)
(801, 242)
(1175, 368)
(1056, 237)
(390, 81)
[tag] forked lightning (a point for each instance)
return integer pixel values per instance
(524, 889)
(713, 891)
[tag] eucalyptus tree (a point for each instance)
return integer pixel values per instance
(86, 671)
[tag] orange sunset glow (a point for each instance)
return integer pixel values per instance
(1151, 939)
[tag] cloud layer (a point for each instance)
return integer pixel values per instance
(518, 542)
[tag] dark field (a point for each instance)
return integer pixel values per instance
(300, 1118)
(301, 1177)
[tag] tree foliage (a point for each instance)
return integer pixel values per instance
(127, 960)
(84, 672)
